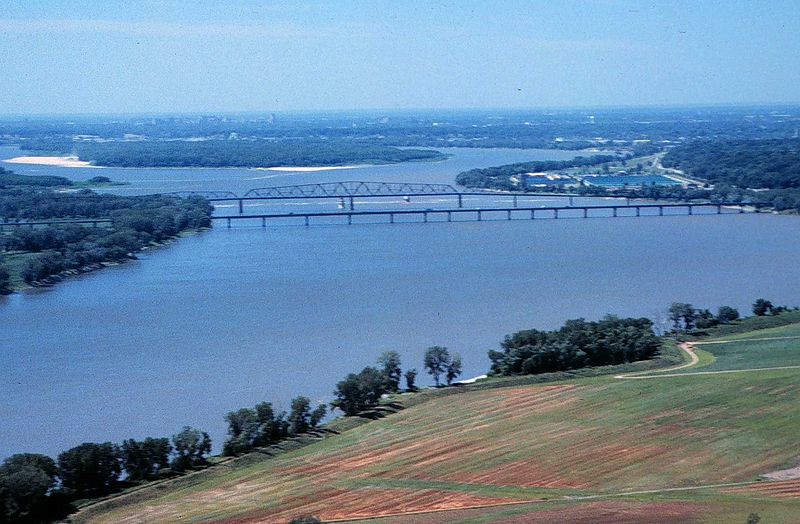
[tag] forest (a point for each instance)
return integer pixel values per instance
(135, 222)
(575, 345)
(754, 164)
(230, 153)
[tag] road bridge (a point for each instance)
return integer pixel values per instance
(555, 212)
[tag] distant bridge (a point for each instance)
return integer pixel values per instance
(349, 190)
(554, 212)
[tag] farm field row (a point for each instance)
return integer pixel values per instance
(530, 453)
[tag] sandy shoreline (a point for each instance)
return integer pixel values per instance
(308, 169)
(59, 161)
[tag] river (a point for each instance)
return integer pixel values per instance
(231, 317)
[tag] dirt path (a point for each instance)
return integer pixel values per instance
(689, 347)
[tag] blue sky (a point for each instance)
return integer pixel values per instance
(236, 55)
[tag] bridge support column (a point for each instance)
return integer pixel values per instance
(425, 216)
(349, 219)
(533, 214)
(479, 216)
(555, 213)
(615, 211)
(229, 223)
(627, 201)
(719, 209)
(638, 213)
(460, 202)
(571, 201)
(741, 210)
(263, 221)
(449, 216)
(306, 217)
(515, 201)
(661, 211)
(585, 212)
(241, 207)
(351, 204)
(509, 211)
(391, 218)
(690, 208)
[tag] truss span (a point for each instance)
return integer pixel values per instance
(350, 188)
(205, 194)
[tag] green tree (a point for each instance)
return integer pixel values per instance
(436, 362)
(5, 279)
(272, 427)
(191, 446)
(727, 314)
(243, 431)
(682, 315)
(25, 480)
(143, 459)
(390, 364)
(411, 377)
(358, 392)
(453, 368)
(89, 468)
(762, 307)
(317, 415)
(300, 415)
(305, 519)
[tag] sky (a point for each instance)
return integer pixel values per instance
(68, 57)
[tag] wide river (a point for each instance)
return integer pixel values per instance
(231, 317)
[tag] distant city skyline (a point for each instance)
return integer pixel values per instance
(80, 57)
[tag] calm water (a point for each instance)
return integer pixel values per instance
(231, 317)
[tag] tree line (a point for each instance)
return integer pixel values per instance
(135, 222)
(232, 153)
(34, 487)
(685, 317)
(577, 344)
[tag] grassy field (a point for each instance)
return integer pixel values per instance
(674, 449)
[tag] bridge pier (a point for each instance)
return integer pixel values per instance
(479, 216)
(306, 217)
(533, 214)
(351, 204)
(555, 213)
(460, 202)
(349, 219)
(391, 218)
(585, 212)
(638, 211)
(690, 208)
(719, 209)
(661, 211)
(241, 207)
(263, 221)
(229, 223)
(449, 216)
(425, 216)
(515, 203)
(571, 201)
(614, 212)
(509, 211)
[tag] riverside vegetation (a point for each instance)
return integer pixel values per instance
(508, 448)
(762, 173)
(35, 255)
(35, 487)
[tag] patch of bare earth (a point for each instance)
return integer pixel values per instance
(596, 512)
(781, 488)
(367, 502)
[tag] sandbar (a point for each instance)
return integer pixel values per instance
(60, 161)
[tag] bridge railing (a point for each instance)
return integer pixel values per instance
(350, 188)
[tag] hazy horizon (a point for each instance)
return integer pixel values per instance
(175, 57)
